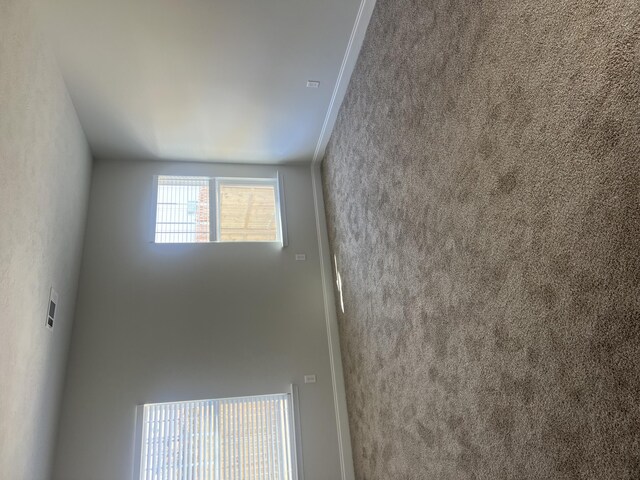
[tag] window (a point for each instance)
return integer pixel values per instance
(203, 209)
(182, 213)
(236, 438)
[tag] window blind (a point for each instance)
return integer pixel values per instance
(182, 210)
(245, 438)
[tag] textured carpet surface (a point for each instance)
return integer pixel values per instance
(483, 201)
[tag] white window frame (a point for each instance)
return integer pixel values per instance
(214, 207)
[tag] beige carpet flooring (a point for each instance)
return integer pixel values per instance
(483, 201)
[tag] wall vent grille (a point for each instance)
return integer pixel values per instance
(52, 308)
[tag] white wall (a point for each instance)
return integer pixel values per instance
(44, 179)
(176, 322)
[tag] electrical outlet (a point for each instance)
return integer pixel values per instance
(309, 379)
(300, 257)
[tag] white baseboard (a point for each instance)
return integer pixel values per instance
(337, 377)
(344, 76)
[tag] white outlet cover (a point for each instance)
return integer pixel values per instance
(301, 257)
(309, 379)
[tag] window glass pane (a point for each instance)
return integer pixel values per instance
(247, 212)
(182, 213)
